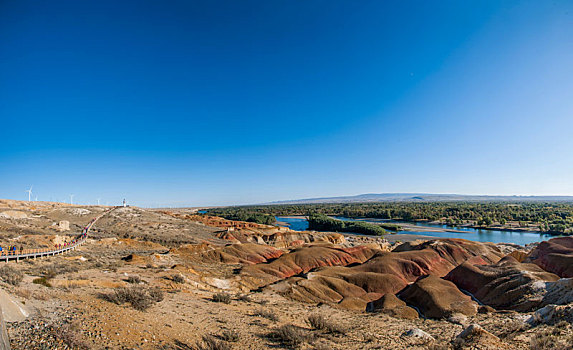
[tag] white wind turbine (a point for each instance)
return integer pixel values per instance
(71, 199)
(29, 193)
(98, 201)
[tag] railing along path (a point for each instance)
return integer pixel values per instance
(6, 255)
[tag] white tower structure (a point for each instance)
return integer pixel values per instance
(30, 194)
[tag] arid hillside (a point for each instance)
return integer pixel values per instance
(173, 279)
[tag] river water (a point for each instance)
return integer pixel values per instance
(472, 234)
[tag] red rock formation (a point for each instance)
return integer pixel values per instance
(232, 254)
(391, 305)
(383, 273)
(438, 298)
(554, 255)
(305, 259)
(508, 284)
(456, 250)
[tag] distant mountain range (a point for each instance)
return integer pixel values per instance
(425, 197)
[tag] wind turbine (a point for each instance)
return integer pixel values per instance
(71, 199)
(98, 201)
(29, 193)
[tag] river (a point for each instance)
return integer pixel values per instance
(439, 231)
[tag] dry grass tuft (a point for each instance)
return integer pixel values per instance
(179, 278)
(11, 275)
(230, 335)
(139, 297)
(70, 335)
(43, 281)
(134, 279)
(319, 322)
(289, 335)
(222, 298)
(552, 338)
(269, 315)
(212, 343)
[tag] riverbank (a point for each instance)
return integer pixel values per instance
(437, 226)
(393, 238)
(435, 230)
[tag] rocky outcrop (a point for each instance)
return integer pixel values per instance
(248, 253)
(559, 292)
(417, 333)
(438, 298)
(456, 250)
(554, 255)
(507, 284)
(305, 259)
(475, 337)
(383, 273)
(391, 305)
(279, 238)
(552, 314)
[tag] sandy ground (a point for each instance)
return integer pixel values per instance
(73, 312)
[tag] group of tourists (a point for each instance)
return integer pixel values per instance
(13, 250)
(73, 241)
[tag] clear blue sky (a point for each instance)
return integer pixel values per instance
(232, 102)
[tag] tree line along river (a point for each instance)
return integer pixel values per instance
(438, 230)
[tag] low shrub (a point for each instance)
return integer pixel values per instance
(11, 275)
(156, 294)
(211, 343)
(230, 335)
(550, 339)
(134, 279)
(179, 278)
(57, 268)
(43, 281)
(270, 315)
(319, 322)
(139, 297)
(222, 298)
(289, 335)
(71, 335)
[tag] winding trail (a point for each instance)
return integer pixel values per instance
(40, 253)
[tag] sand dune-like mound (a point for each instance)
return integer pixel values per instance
(383, 273)
(280, 238)
(438, 298)
(456, 250)
(248, 253)
(393, 306)
(554, 255)
(508, 284)
(305, 259)
(436, 257)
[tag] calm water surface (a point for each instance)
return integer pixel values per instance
(472, 234)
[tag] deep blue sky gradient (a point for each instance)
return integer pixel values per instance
(230, 102)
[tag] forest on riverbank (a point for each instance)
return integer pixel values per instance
(552, 218)
(321, 222)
